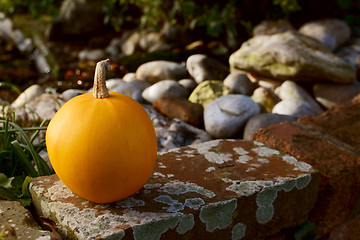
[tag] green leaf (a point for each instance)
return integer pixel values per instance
(25, 187)
(7, 194)
(5, 181)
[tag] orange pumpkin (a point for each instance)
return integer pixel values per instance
(102, 145)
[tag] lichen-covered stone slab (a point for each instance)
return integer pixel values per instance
(16, 222)
(222, 189)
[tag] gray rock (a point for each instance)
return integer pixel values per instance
(330, 32)
(16, 222)
(270, 27)
(126, 88)
(70, 93)
(202, 67)
(130, 44)
(266, 98)
(289, 90)
(330, 94)
(291, 56)
(156, 71)
(263, 120)
(174, 133)
(92, 54)
(226, 115)
(189, 84)
(294, 108)
(239, 83)
(350, 52)
(28, 95)
(164, 88)
(129, 77)
(44, 107)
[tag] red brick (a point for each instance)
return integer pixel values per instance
(339, 168)
(349, 230)
(222, 189)
(342, 122)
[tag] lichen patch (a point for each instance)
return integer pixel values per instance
(265, 151)
(238, 231)
(218, 215)
(58, 191)
(179, 187)
(194, 203)
(130, 202)
(173, 205)
(186, 223)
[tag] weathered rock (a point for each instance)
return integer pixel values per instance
(177, 107)
(263, 120)
(164, 88)
(223, 189)
(202, 67)
(291, 56)
(43, 107)
(127, 88)
(67, 25)
(330, 32)
(270, 27)
(289, 90)
(156, 71)
(16, 222)
(294, 108)
(92, 54)
(330, 143)
(350, 52)
(346, 231)
(28, 95)
(239, 83)
(130, 43)
(70, 93)
(175, 132)
(189, 84)
(329, 94)
(266, 98)
(153, 41)
(226, 116)
(208, 91)
(129, 77)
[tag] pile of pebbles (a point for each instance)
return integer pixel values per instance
(280, 74)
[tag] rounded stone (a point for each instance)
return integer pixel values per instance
(189, 84)
(208, 91)
(239, 83)
(289, 90)
(294, 108)
(263, 120)
(266, 98)
(156, 71)
(202, 67)
(329, 94)
(225, 116)
(165, 88)
(28, 95)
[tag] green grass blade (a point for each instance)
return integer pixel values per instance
(43, 168)
(24, 159)
(10, 85)
(34, 135)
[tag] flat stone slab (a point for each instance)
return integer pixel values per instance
(16, 222)
(222, 189)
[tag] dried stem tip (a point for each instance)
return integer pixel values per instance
(100, 90)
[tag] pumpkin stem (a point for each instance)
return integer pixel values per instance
(100, 89)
